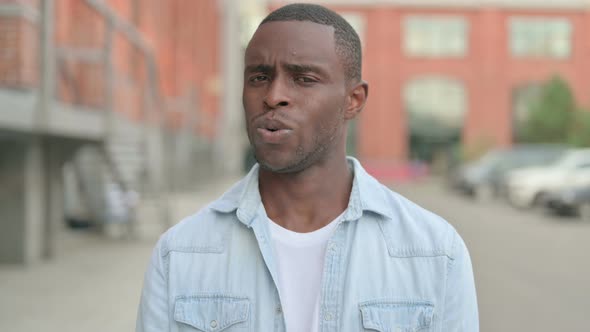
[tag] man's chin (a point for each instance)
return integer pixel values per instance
(280, 167)
(275, 168)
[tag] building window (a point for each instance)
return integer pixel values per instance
(435, 101)
(436, 108)
(540, 37)
(435, 36)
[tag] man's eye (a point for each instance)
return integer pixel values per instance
(258, 78)
(305, 79)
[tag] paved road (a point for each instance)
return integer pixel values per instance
(532, 270)
(94, 284)
(94, 287)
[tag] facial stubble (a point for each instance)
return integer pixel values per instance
(320, 145)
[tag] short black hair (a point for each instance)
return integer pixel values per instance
(348, 44)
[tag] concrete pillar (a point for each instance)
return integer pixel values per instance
(54, 196)
(31, 206)
(22, 201)
(230, 140)
(34, 196)
(31, 199)
(12, 202)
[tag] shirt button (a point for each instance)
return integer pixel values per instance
(332, 247)
(213, 324)
(279, 310)
(328, 316)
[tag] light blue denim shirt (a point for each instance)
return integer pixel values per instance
(390, 266)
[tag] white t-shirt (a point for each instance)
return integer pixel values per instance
(300, 262)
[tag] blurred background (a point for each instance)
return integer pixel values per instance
(120, 117)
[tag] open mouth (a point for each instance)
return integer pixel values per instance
(273, 134)
(272, 131)
(273, 126)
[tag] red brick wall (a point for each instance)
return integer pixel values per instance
(495, 73)
(18, 52)
(184, 37)
(383, 114)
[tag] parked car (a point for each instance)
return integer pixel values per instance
(529, 186)
(484, 178)
(568, 201)
(585, 210)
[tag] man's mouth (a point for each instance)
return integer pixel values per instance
(273, 130)
(273, 134)
(272, 125)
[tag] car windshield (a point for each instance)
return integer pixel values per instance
(522, 157)
(542, 157)
(571, 159)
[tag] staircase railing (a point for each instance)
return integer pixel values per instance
(151, 104)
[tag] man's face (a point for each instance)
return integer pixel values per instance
(294, 95)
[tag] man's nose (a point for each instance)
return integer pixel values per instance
(277, 94)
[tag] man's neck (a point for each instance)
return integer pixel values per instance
(307, 200)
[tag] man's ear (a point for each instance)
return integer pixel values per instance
(357, 97)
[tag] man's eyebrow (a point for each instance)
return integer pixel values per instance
(301, 68)
(259, 69)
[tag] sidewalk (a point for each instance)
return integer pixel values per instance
(94, 283)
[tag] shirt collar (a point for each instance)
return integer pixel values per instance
(367, 194)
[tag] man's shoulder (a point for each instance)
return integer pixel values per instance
(415, 231)
(202, 232)
(206, 230)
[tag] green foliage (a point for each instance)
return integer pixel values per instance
(579, 135)
(551, 117)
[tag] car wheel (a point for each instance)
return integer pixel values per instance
(539, 200)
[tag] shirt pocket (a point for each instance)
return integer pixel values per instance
(213, 313)
(397, 316)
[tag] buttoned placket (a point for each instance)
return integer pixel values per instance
(265, 245)
(331, 281)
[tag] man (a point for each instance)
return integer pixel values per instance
(308, 241)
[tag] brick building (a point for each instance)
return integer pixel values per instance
(460, 70)
(141, 82)
(122, 92)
